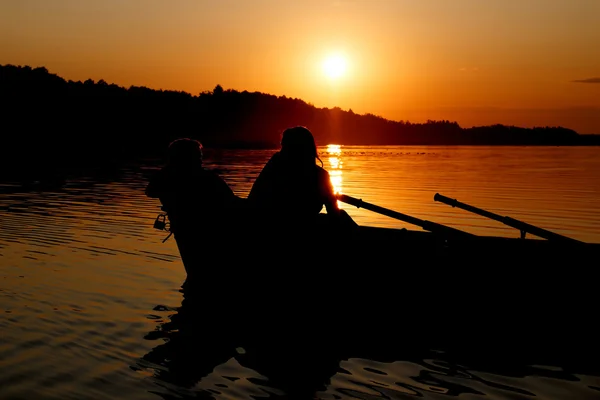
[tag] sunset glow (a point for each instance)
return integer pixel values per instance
(335, 66)
(411, 61)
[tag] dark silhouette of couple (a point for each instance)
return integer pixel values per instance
(226, 303)
(285, 201)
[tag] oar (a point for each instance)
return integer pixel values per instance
(514, 223)
(426, 225)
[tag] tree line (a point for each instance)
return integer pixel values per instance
(52, 120)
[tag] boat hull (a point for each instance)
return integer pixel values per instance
(381, 276)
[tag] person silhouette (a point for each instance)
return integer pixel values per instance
(292, 188)
(196, 200)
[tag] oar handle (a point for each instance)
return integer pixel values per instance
(426, 225)
(444, 199)
(358, 203)
(514, 223)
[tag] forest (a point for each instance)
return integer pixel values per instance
(50, 120)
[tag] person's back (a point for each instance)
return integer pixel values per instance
(285, 186)
(292, 189)
(190, 194)
(198, 202)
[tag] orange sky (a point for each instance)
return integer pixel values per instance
(472, 61)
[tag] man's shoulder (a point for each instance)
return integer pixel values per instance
(212, 177)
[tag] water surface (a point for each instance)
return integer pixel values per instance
(92, 304)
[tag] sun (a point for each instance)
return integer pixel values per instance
(335, 66)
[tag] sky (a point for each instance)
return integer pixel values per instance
(478, 62)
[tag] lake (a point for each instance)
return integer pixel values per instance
(92, 305)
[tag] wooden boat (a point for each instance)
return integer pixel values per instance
(254, 237)
(510, 288)
(245, 239)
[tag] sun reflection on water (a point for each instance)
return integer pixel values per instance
(334, 151)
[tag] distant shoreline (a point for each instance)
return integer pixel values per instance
(250, 147)
(55, 123)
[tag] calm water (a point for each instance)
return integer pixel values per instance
(92, 308)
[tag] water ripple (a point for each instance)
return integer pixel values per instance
(92, 307)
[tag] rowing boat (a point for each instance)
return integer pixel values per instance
(320, 276)
(247, 252)
(246, 237)
(250, 236)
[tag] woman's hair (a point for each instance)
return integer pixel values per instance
(184, 151)
(299, 142)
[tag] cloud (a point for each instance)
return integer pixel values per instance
(589, 80)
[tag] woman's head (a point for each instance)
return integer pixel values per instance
(185, 151)
(299, 143)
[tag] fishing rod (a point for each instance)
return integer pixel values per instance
(426, 225)
(523, 227)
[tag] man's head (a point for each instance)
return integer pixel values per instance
(185, 151)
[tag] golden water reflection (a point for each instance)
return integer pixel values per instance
(334, 151)
(65, 327)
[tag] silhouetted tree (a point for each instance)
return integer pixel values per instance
(51, 121)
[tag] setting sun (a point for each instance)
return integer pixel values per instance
(335, 66)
